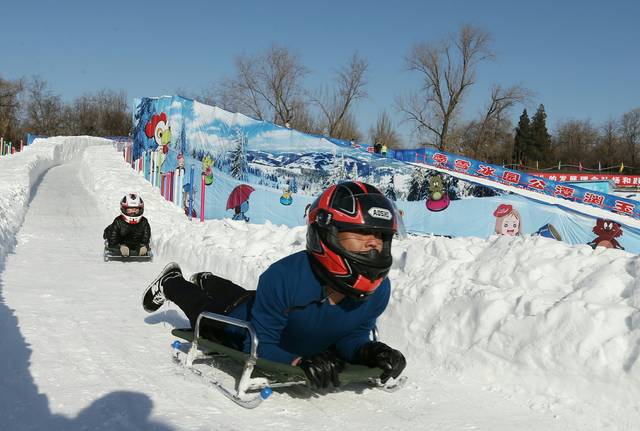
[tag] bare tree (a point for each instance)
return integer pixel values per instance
(575, 141)
(9, 91)
(336, 107)
(484, 133)
(9, 108)
(114, 115)
(267, 86)
(384, 132)
(43, 109)
(447, 70)
(104, 113)
(630, 134)
(607, 151)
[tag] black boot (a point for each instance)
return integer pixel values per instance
(153, 296)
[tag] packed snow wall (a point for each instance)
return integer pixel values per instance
(230, 165)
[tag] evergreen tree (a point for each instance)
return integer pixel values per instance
(141, 117)
(183, 138)
(522, 140)
(390, 191)
(540, 138)
(354, 171)
(238, 158)
(342, 170)
(415, 185)
(424, 187)
(335, 173)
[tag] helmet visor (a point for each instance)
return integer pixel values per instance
(133, 211)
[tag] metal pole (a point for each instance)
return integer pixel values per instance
(191, 175)
(202, 190)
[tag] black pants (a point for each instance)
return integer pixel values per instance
(215, 294)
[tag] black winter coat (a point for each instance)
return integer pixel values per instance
(132, 235)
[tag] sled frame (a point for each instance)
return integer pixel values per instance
(276, 375)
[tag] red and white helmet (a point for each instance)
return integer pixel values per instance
(132, 208)
(351, 206)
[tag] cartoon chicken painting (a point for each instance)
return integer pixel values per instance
(607, 231)
(158, 129)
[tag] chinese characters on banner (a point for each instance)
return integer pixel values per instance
(548, 184)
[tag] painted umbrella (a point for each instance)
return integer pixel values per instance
(238, 195)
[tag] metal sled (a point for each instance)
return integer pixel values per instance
(109, 255)
(259, 376)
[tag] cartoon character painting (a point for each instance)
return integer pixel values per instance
(207, 163)
(286, 198)
(508, 221)
(438, 198)
(238, 200)
(239, 211)
(180, 158)
(158, 128)
(607, 231)
(186, 196)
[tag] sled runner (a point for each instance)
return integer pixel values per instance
(258, 376)
(113, 254)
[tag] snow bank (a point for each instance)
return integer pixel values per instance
(525, 312)
(20, 173)
(529, 312)
(490, 307)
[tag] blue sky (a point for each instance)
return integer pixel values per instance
(580, 58)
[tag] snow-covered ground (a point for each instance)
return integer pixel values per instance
(500, 334)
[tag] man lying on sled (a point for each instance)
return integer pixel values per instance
(315, 308)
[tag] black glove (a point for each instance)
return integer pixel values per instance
(376, 354)
(322, 369)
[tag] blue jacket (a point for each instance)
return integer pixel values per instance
(290, 321)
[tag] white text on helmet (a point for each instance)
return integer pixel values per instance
(381, 213)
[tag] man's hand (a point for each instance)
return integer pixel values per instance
(376, 354)
(124, 250)
(143, 251)
(322, 369)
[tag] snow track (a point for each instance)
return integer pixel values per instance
(78, 351)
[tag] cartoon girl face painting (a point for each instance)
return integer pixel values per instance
(507, 220)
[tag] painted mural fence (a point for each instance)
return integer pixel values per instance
(7, 148)
(215, 164)
(175, 186)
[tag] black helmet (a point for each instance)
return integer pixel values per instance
(351, 206)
